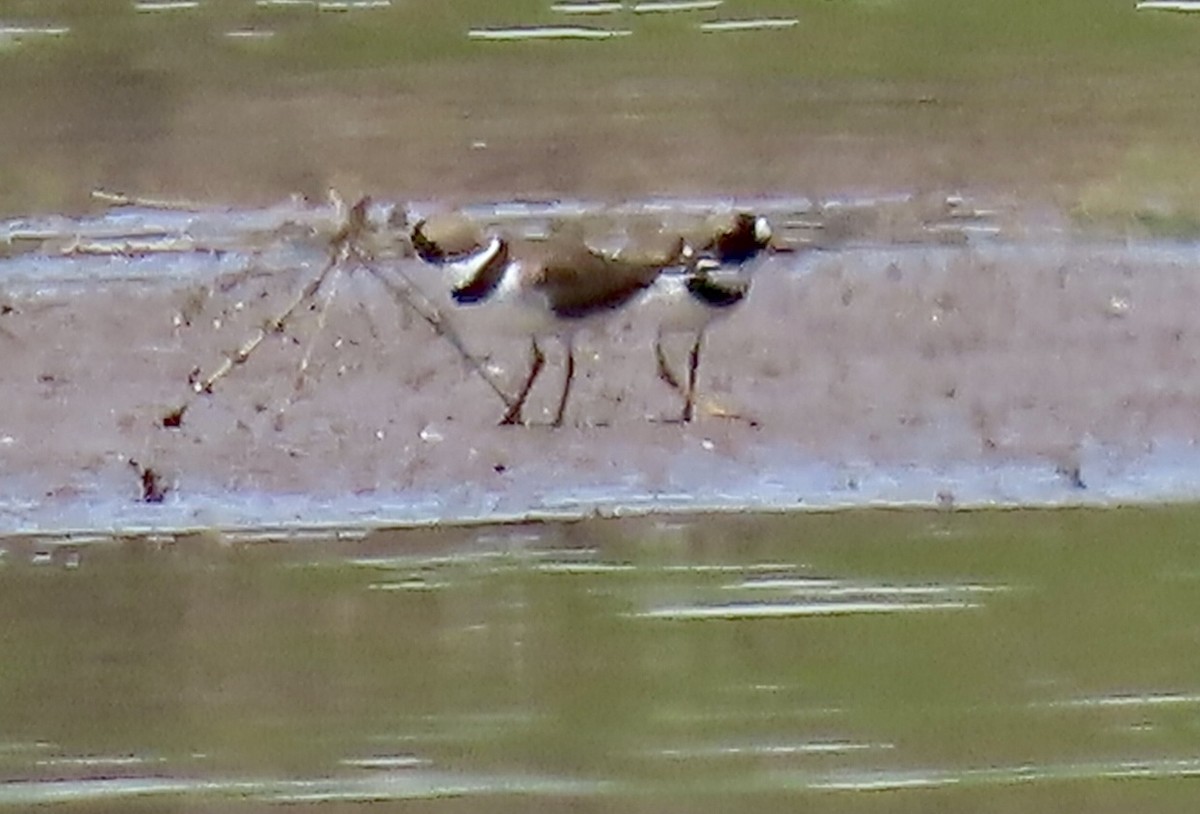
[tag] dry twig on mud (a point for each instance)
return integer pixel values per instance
(346, 246)
(121, 199)
(406, 292)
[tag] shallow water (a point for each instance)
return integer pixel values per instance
(245, 101)
(896, 661)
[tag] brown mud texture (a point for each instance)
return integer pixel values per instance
(980, 353)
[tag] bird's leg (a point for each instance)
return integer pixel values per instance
(537, 359)
(689, 398)
(567, 378)
(664, 370)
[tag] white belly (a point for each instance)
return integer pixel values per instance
(668, 305)
(516, 309)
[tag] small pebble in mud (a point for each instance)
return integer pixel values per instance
(174, 419)
(153, 488)
(1073, 474)
(1118, 306)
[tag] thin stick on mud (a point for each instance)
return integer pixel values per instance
(122, 199)
(409, 295)
(271, 326)
(345, 245)
(405, 292)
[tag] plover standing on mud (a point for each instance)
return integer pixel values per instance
(551, 289)
(715, 280)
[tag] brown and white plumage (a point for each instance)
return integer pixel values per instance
(714, 281)
(552, 288)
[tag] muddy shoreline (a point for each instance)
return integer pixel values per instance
(1004, 365)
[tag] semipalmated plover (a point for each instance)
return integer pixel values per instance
(715, 279)
(550, 288)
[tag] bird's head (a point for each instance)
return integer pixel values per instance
(739, 238)
(446, 238)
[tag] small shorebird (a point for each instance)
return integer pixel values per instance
(713, 282)
(551, 289)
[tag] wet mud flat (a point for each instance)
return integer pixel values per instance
(906, 353)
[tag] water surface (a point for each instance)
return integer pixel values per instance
(897, 661)
(1084, 103)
